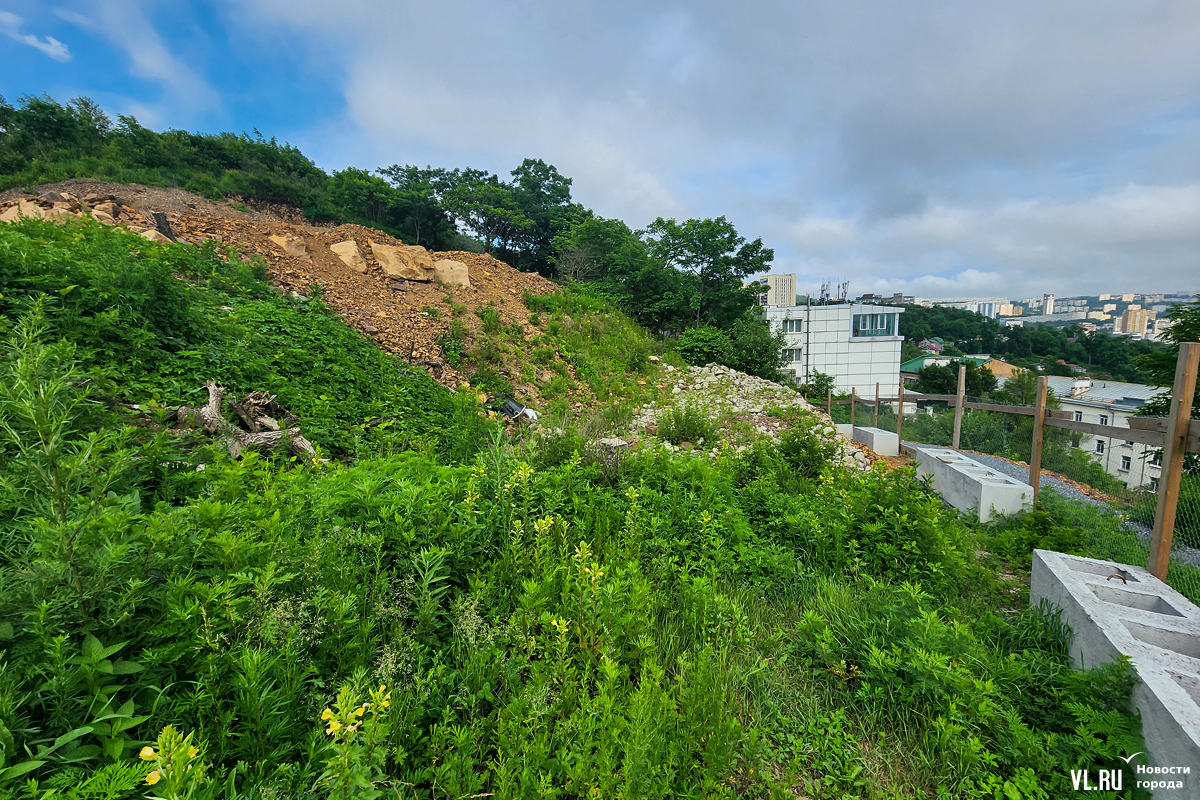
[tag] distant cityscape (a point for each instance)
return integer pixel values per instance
(1133, 314)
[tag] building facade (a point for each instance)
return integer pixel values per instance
(776, 290)
(1112, 403)
(857, 344)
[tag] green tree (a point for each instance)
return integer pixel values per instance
(754, 349)
(700, 346)
(487, 207)
(936, 379)
(543, 195)
(1159, 367)
(716, 258)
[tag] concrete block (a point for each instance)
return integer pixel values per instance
(885, 443)
(845, 429)
(1114, 609)
(970, 486)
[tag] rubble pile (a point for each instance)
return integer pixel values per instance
(725, 394)
(400, 295)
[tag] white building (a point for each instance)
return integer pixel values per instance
(1111, 403)
(857, 344)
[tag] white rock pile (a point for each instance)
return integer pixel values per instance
(720, 392)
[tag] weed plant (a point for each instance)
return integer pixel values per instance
(464, 613)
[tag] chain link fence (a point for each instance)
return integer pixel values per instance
(1106, 486)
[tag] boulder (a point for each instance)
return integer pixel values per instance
(108, 207)
(451, 273)
(292, 245)
(23, 208)
(155, 236)
(57, 215)
(102, 217)
(350, 255)
(410, 262)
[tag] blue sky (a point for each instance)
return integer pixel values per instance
(936, 148)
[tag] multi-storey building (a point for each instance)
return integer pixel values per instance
(1112, 403)
(776, 290)
(857, 344)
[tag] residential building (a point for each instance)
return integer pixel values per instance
(1070, 316)
(1157, 327)
(1107, 307)
(1134, 321)
(1047, 304)
(1008, 310)
(856, 344)
(776, 290)
(1112, 403)
(1128, 297)
(1104, 297)
(987, 306)
(1100, 315)
(1001, 369)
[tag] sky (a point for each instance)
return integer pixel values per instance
(932, 148)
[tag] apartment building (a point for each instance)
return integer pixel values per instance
(857, 344)
(1112, 403)
(776, 290)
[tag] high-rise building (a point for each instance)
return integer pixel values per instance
(1047, 304)
(1128, 297)
(781, 290)
(1109, 307)
(1104, 297)
(1133, 321)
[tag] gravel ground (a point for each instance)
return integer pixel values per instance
(1180, 551)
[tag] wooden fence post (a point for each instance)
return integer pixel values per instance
(829, 405)
(875, 421)
(900, 412)
(1039, 425)
(853, 397)
(1174, 449)
(958, 404)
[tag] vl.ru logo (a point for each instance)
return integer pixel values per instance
(1105, 780)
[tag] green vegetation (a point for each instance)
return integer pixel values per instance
(1102, 355)
(451, 610)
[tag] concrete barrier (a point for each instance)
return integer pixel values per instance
(1115, 609)
(845, 429)
(970, 486)
(885, 443)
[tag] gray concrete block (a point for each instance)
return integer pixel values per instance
(970, 486)
(885, 443)
(845, 429)
(1115, 609)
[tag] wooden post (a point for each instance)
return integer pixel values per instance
(829, 405)
(958, 403)
(1039, 425)
(1174, 450)
(875, 421)
(900, 413)
(853, 397)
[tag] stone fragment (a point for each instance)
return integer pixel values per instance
(103, 218)
(23, 208)
(451, 273)
(292, 245)
(350, 254)
(155, 236)
(411, 263)
(107, 207)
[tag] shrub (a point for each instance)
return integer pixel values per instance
(687, 424)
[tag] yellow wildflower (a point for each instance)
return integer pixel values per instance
(382, 687)
(326, 714)
(358, 712)
(147, 754)
(154, 777)
(193, 752)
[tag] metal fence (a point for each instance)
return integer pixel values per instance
(1153, 522)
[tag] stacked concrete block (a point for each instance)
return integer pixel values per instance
(970, 486)
(885, 443)
(1114, 609)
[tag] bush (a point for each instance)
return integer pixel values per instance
(687, 424)
(700, 346)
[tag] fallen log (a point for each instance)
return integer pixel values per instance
(236, 440)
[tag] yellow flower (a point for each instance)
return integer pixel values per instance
(334, 726)
(382, 687)
(386, 704)
(147, 754)
(326, 714)
(358, 712)
(193, 752)
(153, 777)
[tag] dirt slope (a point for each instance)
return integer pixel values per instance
(405, 317)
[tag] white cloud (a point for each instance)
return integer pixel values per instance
(10, 26)
(127, 27)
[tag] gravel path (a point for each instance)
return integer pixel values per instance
(1180, 551)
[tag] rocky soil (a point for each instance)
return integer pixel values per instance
(401, 296)
(728, 396)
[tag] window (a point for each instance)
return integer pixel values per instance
(1154, 484)
(1127, 443)
(1156, 459)
(791, 325)
(874, 325)
(1126, 462)
(1099, 445)
(1104, 419)
(1079, 416)
(791, 356)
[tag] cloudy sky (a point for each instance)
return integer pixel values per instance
(936, 148)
